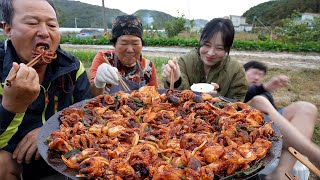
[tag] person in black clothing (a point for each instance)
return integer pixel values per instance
(255, 73)
(297, 116)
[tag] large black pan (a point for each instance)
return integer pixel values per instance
(55, 161)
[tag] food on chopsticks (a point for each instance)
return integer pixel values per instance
(174, 135)
(40, 53)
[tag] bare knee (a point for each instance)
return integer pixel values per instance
(301, 109)
(10, 169)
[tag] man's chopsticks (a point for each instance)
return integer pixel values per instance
(304, 161)
(122, 83)
(29, 64)
(171, 79)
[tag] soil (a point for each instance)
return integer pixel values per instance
(272, 59)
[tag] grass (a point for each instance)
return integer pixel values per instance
(304, 86)
(304, 83)
(158, 63)
(246, 36)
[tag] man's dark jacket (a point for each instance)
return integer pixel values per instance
(65, 83)
(259, 90)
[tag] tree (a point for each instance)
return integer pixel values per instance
(176, 26)
(61, 16)
(294, 31)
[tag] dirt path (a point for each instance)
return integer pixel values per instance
(273, 59)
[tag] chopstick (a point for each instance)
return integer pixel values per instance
(171, 79)
(122, 83)
(291, 177)
(304, 161)
(29, 64)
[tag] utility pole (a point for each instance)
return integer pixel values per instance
(105, 24)
(75, 22)
(254, 24)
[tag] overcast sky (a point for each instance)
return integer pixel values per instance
(192, 9)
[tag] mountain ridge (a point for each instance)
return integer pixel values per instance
(73, 13)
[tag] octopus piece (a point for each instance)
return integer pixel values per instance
(192, 174)
(190, 141)
(254, 116)
(152, 116)
(188, 105)
(109, 100)
(244, 136)
(165, 172)
(114, 131)
(93, 167)
(175, 100)
(61, 145)
(261, 147)
(247, 153)
(47, 56)
(229, 131)
(164, 117)
(83, 141)
(94, 103)
(265, 131)
(123, 170)
(106, 142)
(96, 129)
(146, 147)
(206, 173)
(218, 167)
(242, 105)
(60, 134)
(202, 126)
(161, 106)
(71, 116)
(186, 95)
(148, 95)
(206, 97)
(229, 110)
(213, 153)
(232, 168)
(126, 111)
(75, 160)
(232, 156)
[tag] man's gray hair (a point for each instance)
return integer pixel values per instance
(8, 11)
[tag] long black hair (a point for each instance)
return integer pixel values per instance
(216, 25)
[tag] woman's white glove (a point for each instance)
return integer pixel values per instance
(106, 74)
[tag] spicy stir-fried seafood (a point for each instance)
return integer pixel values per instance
(174, 135)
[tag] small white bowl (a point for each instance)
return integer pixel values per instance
(202, 87)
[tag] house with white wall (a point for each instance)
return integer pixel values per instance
(309, 17)
(240, 24)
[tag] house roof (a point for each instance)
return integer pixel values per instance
(311, 13)
(237, 16)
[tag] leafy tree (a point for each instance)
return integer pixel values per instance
(272, 12)
(61, 16)
(294, 31)
(176, 26)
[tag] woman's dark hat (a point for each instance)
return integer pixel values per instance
(126, 25)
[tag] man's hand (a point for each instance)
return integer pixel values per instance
(166, 72)
(27, 148)
(276, 83)
(23, 91)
